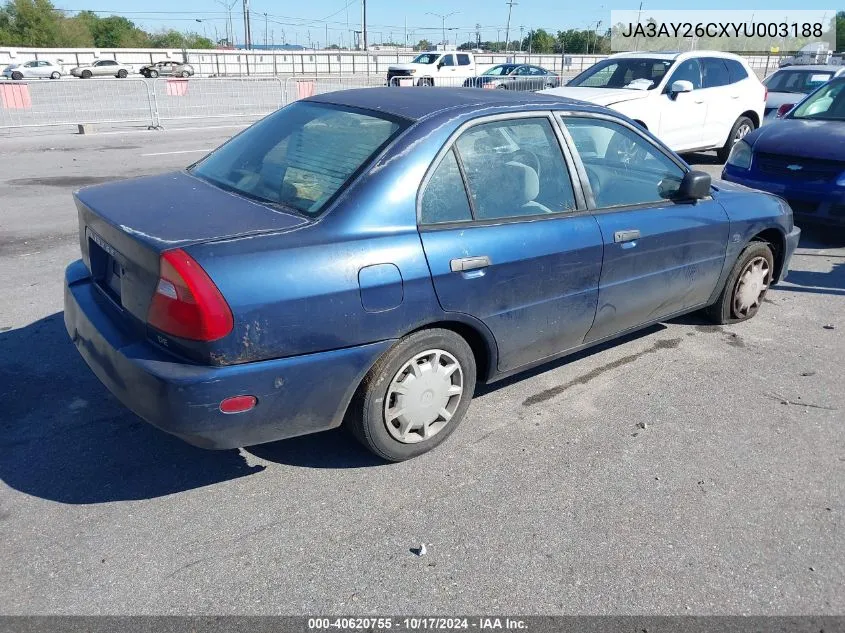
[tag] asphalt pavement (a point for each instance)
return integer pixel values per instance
(687, 469)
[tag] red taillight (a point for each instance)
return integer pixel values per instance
(238, 404)
(186, 303)
(786, 107)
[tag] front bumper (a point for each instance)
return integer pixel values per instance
(822, 203)
(296, 395)
(791, 244)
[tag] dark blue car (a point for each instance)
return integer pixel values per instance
(800, 157)
(370, 255)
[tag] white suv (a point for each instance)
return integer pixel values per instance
(695, 101)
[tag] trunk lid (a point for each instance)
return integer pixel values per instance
(124, 226)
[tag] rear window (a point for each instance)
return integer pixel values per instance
(301, 157)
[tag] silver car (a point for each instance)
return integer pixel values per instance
(789, 85)
(167, 69)
(102, 68)
(35, 69)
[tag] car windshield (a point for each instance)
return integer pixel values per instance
(426, 58)
(502, 69)
(797, 81)
(300, 157)
(636, 73)
(826, 104)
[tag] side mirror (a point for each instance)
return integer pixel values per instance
(695, 185)
(682, 85)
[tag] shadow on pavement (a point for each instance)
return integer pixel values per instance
(815, 282)
(331, 449)
(63, 437)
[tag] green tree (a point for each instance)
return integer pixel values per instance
(29, 23)
(539, 41)
(423, 45)
(840, 31)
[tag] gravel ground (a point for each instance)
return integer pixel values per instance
(687, 469)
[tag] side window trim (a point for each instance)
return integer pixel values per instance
(581, 205)
(582, 170)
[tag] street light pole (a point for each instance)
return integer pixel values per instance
(510, 4)
(443, 22)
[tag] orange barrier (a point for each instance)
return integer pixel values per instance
(15, 96)
(177, 87)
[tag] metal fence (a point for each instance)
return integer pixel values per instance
(157, 102)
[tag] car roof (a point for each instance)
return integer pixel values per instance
(416, 103)
(812, 67)
(673, 55)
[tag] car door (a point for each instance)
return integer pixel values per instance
(507, 238)
(447, 69)
(682, 115)
(30, 69)
(661, 256)
(722, 100)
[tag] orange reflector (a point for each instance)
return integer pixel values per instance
(238, 404)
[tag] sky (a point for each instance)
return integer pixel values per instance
(296, 22)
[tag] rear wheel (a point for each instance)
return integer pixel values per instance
(17, 75)
(415, 395)
(122, 73)
(739, 131)
(746, 286)
(152, 74)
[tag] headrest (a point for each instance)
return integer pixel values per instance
(521, 182)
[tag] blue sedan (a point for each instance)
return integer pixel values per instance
(801, 157)
(366, 257)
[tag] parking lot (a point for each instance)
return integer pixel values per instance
(689, 468)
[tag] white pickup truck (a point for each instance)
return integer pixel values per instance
(434, 68)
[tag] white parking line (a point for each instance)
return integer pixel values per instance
(181, 151)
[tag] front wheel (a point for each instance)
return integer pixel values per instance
(17, 76)
(746, 286)
(152, 74)
(185, 74)
(739, 131)
(415, 395)
(86, 74)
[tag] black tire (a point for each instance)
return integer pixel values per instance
(16, 75)
(743, 126)
(87, 74)
(366, 415)
(152, 74)
(122, 74)
(56, 75)
(724, 311)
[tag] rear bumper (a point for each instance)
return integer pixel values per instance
(296, 395)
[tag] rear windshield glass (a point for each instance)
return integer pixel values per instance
(300, 157)
(797, 81)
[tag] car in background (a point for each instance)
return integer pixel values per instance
(787, 86)
(809, 54)
(801, 158)
(167, 69)
(515, 77)
(433, 68)
(367, 256)
(103, 68)
(693, 101)
(34, 69)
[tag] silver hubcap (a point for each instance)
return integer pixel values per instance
(753, 283)
(741, 132)
(423, 396)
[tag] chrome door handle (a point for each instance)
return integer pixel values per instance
(469, 263)
(626, 236)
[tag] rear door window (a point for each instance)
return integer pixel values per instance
(714, 73)
(515, 168)
(445, 198)
(736, 70)
(463, 60)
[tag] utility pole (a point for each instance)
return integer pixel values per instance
(364, 27)
(406, 31)
(521, 31)
(265, 29)
(477, 35)
(637, 39)
(247, 32)
(326, 44)
(510, 4)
